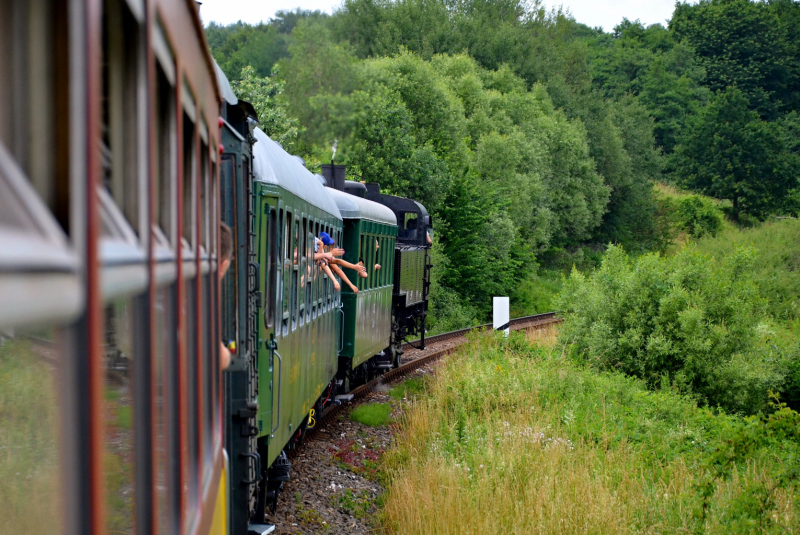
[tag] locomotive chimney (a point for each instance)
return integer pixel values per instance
(334, 175)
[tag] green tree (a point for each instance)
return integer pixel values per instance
(745, 44)
(730, 153)
(265, 94)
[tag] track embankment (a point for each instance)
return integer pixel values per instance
(335, 485)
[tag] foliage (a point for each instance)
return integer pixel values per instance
(748, 45)
(372, 414)
(556, 130)
(778, 432)
(265, 94)
(536, 293)
(410, 388)
(776, 266)
(697, 216)
(687, 320)
(514, 438)
(730, 153)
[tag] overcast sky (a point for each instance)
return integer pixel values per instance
(605, 13)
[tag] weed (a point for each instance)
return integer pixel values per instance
(355, 504)
(408, 389)
(372, 414)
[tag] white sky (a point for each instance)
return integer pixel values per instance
(605, 13)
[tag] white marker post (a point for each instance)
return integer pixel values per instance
(501, 317)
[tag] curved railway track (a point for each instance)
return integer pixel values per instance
(437, 347)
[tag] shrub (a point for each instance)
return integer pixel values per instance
(698, 216)
(776, 270)
(687, 319)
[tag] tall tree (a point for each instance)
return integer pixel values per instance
(729, 152)
(744, 44)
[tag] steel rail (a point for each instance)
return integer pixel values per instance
(461, 332)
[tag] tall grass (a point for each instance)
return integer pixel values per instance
(515, 438)
(776, 268)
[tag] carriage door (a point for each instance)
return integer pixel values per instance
(269, 228)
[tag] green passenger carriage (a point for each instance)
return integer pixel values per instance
(370, 231)
(297, 342)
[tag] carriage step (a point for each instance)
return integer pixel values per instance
(344, 397)
(260, 529)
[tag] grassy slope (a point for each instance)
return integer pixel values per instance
(516, 439)
(777, 269)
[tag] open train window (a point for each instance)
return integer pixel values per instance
(123, 122)
(295, 270)
(309, 269)
(271, 273)
(189, 185)
(287, 270)
(164, 191)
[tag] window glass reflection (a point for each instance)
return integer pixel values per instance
(29, 460)
(118, 416)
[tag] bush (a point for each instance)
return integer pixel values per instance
(513, 438)
(695, 215)
(536, 294)
(698, 216)
(688, 319)
(776, 269)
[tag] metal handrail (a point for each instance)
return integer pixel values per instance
(280, 381)
(341, 329)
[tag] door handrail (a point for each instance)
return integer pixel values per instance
(280, 381)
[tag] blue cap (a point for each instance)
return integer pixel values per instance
(326, 239)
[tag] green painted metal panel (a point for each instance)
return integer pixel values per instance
(300, 314)
(368, 314)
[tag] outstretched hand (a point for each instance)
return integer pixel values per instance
(337, 251)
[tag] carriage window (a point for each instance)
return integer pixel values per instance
(189, 182)
(362, 251)
(120, 117)
(295, 271)
(33, 37)
(270, 275)
(207, 367)
(210, 180)
(286, 269)
(203, 214)
(309, 271)
(302, 258)
(190, 336)
(164, 190)
(166, 445)
(287, 235)
(29, 370)
(126, 409)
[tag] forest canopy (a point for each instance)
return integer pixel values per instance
(526, 133)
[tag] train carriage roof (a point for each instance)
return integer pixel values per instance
(273, 165)
(352, 207)
(225, 86)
